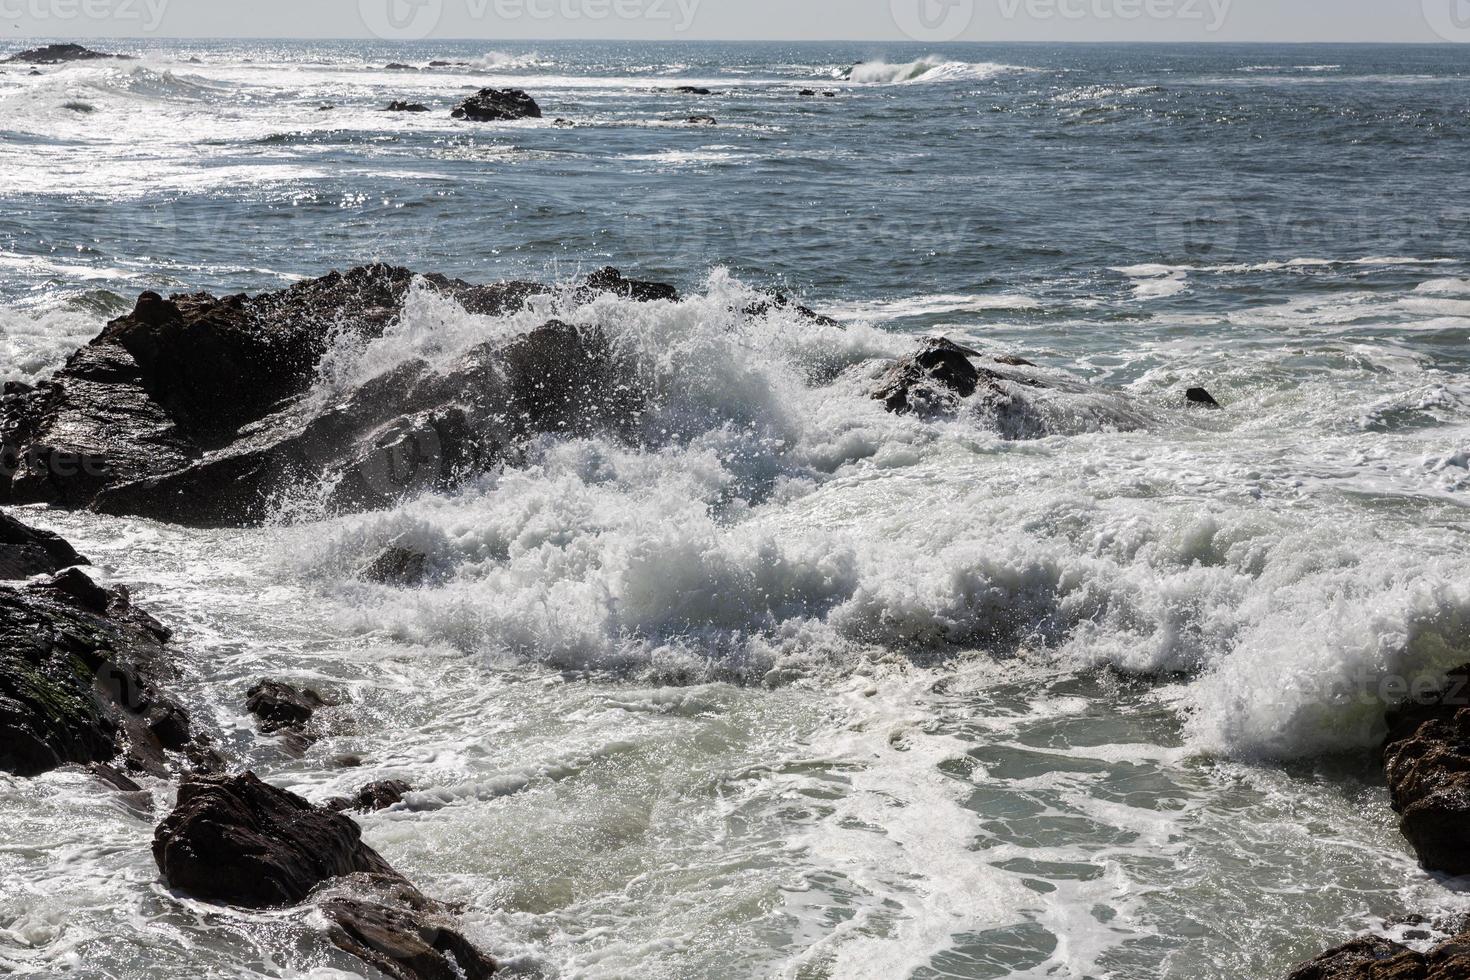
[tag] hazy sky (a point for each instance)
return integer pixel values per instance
(927, 21)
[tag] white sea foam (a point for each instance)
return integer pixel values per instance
(924, 70)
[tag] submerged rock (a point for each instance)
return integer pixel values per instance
(702, 121)
(692, 90)
(406, 107)
(1198, 396)
(80, 670)
(397, 566)
(1426, 758)
(25, 551)
(373, 796)
(281, 707)
(493, 104)
(55, 54)
(193, 410)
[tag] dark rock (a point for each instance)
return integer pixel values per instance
(281, 707)
(191, 409)
(491, 105)
(703, 121)
(807, 92)
(829, 95)
(325, 108)
(55, 54)
(779, 301)
(34, 71)
(373, 796)
(931, 379)
(238, 840)
(402, 567)
(1426, 758)
(610, 280)
(79, 676)
(1198, 396)
(563, 123)
(692, 90)
(113, 778)
(398, 66)
(25, 551)
(448, 64)
(403, 943)
(1011, 360)
(1375, 958)
(406, 107)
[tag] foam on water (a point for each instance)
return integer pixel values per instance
(924, 70)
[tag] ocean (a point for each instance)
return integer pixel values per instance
(802, 688)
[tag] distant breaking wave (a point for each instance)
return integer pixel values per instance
(927, 69)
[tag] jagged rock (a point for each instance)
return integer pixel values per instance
(238, 840)
(406, 107)
(192, 409)
(79, 675)
(1426, 758)
(398, 566)
(1376, 958)
(1198, 396)
(55, 54)
(403, 943)
(25, 551)
(939, 372)
(492, 104)
(779, 301)
(281, 707)
(373, 796)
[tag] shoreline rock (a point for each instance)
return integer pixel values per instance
(57, 54)
(80, 681)
(1426, 759)
(25, 551)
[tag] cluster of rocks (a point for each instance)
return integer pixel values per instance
(57, 54)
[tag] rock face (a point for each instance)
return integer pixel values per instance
(281, 707)
(238, 840)
(55, 54)
(1426, 758)
(1375, 958)
(196, 409)
(79, 680)
(495, 104)
(25, 551)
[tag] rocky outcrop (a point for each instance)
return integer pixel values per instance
(55, 54)
(1426, 758)
(80, 676)
(25, 551)
(399, 106)
(373, 796)
(240, 841)
(931, 380)
(1375, 958)
(194, 409)
(495, 104)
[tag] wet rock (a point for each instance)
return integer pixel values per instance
(373, 796)
(55, 54)
(563, 123)
(492, 104)
(692, 90)
(398, 66)
(1198, 396)
(403, 943)
(779, 301)
(281, 707)
(1376, 958)
(1426, 758)
(406, 107)
(702, 121)
(610, 280)
(191, 409)
(807, 92)
(25, 551)
(238, 840)
(938, 373)
(80, 675)
(397, 566)
(448, 64)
